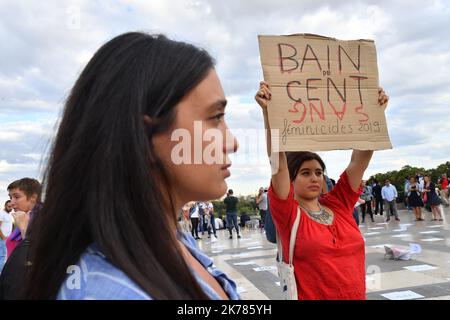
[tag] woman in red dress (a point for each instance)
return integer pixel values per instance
(329, 256)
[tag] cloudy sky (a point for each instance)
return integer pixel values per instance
(46, 44)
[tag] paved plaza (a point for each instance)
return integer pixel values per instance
(250, 261)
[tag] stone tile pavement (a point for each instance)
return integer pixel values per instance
(250, 261)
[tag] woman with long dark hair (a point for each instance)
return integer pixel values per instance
(118, 176)
(329, 257)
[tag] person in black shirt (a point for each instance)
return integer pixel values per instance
(376, 191)
(231, 213)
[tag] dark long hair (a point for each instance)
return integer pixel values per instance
(103, 181)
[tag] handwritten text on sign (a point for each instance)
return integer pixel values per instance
(324, 93)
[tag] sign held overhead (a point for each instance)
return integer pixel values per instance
(324, 93)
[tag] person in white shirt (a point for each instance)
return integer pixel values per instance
(389, 194)
(6, 225)
(406, 187)
(261, 201)
(420, 180)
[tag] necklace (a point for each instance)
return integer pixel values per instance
(321, 216)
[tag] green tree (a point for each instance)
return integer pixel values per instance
(219, 208)
(246, 204)
(439, 171)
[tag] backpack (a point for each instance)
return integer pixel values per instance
(15, 271)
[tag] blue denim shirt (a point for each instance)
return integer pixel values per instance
(95, 278)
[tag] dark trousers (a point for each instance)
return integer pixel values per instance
(232, 221)
(391, 208)
(366, 207)
(203, 224)
(356, 215)
(213, 226)
(379, 205)
(194, 227)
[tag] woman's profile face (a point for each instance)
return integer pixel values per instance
(195, 150)
(309, 180)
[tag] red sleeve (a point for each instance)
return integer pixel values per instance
(281, 209)
(342, 196)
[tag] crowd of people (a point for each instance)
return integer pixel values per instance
(198, 217)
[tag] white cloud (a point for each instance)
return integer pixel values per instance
(22, 130)
(6, 167)
(23, 146)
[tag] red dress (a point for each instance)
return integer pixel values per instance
(329, 260)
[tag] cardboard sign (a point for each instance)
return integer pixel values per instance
(402, 295)
(324, 93)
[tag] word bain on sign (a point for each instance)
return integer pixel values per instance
(330, 76)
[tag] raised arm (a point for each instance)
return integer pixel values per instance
(358, 165)
(22, 220)
(361, 158)
(280, 172)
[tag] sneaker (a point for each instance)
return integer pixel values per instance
(397, 219)
(231, 237)
(373, 220)
(239, 236)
